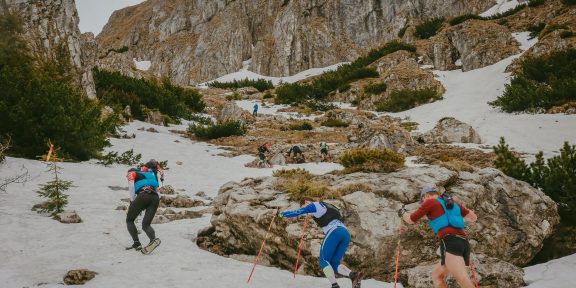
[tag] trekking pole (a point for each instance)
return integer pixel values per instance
(473, 274)
(400, 229)
(300, 245)
(261, 247)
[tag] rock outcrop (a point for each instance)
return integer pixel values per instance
(79, 277)
(232, 112)
(68, 217)
(280, 37)
(514, 219)
(450, 130)
(49, 25)
(475, 43)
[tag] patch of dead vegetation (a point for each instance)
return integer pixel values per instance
(453, 157)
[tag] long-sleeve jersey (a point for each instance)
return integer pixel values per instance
(432, 209)
(317, 210)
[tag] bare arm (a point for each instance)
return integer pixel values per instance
(406, 218)
(471, 216)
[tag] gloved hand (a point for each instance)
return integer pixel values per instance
(161, 179)
(401, 212)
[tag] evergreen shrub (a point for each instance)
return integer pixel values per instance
(300, 126)
(375, 88)
(41, 100)
(116, 90)
(542, 83)
(463, 18)
(556, 176)
(331, 122)
(407, 99)
(260, 84)
(428, 28)
(213, 131)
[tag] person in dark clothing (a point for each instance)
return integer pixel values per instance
(297, 152)
(143, 186)
(262, 150)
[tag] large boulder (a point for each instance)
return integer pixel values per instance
(514, 219)
(386, 133)
(476, 43)
(450, 130)
(232, 112)
(68, 217)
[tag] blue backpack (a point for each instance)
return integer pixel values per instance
(451, 217)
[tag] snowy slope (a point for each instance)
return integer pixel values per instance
(243, 73)
(500, 7)
(466, 99)
(556, 273)
(38, 250)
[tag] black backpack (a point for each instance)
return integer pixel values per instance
(332, 213)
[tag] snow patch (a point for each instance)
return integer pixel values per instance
(243, 73)
(142, 65)
(500, 7)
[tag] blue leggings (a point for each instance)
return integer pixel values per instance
(333, 247)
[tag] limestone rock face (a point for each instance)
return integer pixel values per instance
(194, 41)
(475, 43)
(514, 219)
(386, 134)
(49, 25)
(232, 112)
(450, 130)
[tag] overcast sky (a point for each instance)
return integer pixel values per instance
(95, 13)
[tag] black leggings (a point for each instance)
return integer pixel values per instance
(144, 201)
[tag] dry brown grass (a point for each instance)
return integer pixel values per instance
(353, 187)
(454, 158)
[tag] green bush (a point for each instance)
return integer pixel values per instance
(407, 99)
(300, 126)
(127, 158)
(201, 119)
(555, 176)
(376, 88)
(506, 13)
(322, 85)
(316, 105)
(292, 173)
(260, 84)
(463, 18)
(230, 128)
(267, 95)
(542, 83)
(536, 29)
(428, 28)
(566, 34)
(41, 101)
(371, 160)
(402, 31)
(569, 2)
(116, 90)
(234, 96)
(334, 123)
(535, 3)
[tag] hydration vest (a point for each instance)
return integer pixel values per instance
(451, 217)
(332, 213)
(145, 179)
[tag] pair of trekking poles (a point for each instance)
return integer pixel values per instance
(266, 238)
(400, 230)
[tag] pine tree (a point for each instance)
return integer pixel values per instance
(54, 190)
(511, 164)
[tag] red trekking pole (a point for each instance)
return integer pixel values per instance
(398, 252)
(473, 274)
(261, 247)
(300, 245)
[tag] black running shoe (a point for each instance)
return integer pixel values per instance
(335, 285)
(356, 278)
(136, 246)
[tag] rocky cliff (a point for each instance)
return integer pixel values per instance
(514, 219)
(192, 41)
(49, 24)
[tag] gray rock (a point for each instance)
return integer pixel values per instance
(514, 219)
(278, 159)
(68, 217)
(450, 130)
(79, 276)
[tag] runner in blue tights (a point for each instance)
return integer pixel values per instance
(335, 242)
